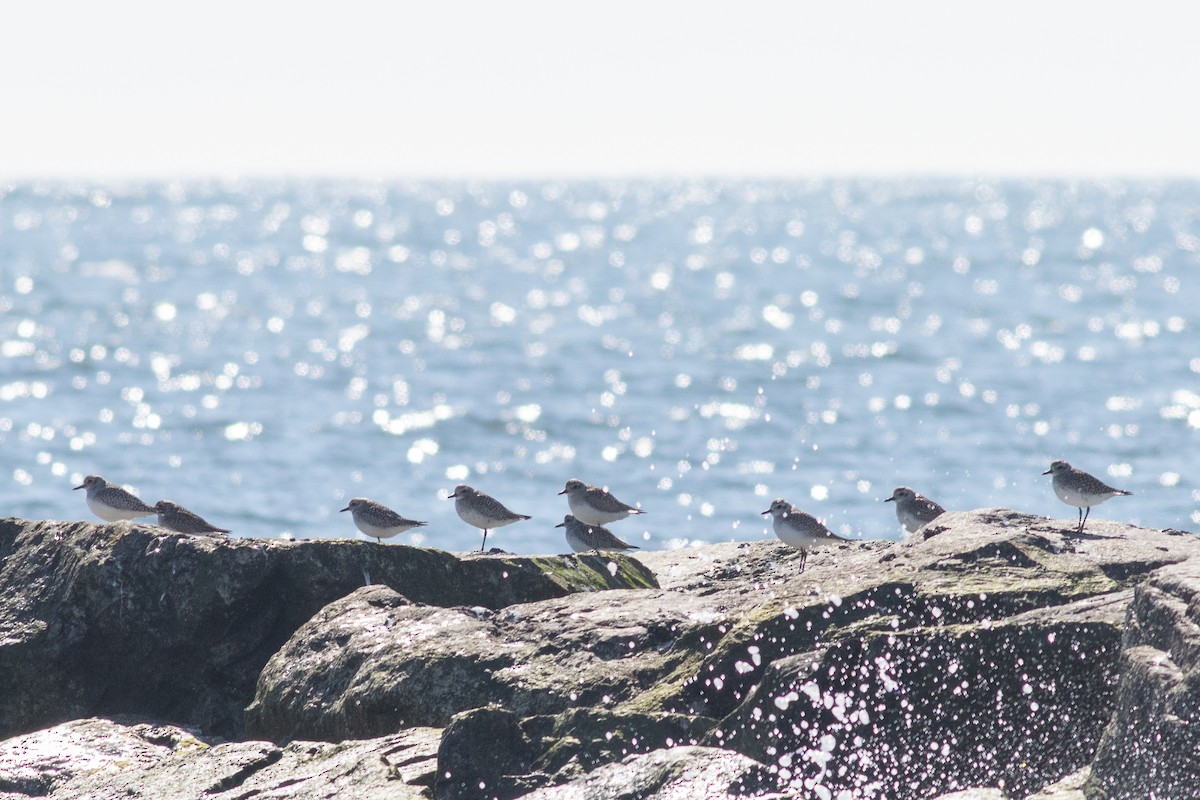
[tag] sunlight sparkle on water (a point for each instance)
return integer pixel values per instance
(627, 324)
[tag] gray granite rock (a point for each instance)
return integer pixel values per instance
(1151, 746)
(133, 619)
(96, 758)
(991, 641)
(372, 662)
(989, 650)
(507, 756)
(681, 773)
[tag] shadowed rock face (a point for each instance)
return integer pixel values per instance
(131, 619)
(1152, 743)
(986, 653)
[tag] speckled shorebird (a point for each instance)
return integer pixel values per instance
(110, 502)
(175, 517)
(482, 510)
(585, 538)
(593, 505)
(377, 520)
(798, 529)
(914, 510)
(1077, 488)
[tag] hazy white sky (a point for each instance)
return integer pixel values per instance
(143, 88)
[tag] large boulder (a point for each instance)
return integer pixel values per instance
(982, 652)
(373, 663)
(1151, 746)
(132, 619)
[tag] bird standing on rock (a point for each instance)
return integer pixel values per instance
(482, 510)
(914, 510)
(110, 502)
(1077, 488)
(585, 538)
(593, 505)
(175, 517)
(377, 520)
(798, 529)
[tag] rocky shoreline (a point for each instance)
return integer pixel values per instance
(994, 654)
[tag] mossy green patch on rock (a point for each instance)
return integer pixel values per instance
(594, 571)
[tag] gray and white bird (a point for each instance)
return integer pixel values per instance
(914, 510)
(482, 511)
(593, 505)
(110, 502)
(377, 520)
(798, 529)
(584, 538)
(1077, 488)
(175, 517)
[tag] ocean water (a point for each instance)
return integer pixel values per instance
(261, 352)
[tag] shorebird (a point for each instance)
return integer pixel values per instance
(1077, 488)
(110, 502)
(175, 517)
(593, 505)
(377, 520)
(482, 510)
(584, 538)
(912, 509)
(798, 529)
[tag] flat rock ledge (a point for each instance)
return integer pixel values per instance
(993, 655)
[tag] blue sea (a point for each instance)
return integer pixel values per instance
(261, 352)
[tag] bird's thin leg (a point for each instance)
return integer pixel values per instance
(1085, 516)
(484, 540)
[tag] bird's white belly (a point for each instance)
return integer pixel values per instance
(375, 532)
(577, 544)
(1073, 498)
(792, 537)
(110, 514)
(911, 522)
(477, 519)
(588, 515)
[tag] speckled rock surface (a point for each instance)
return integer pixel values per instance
(1152, 743)
(97, 758)
(132, 619)
(985, 654)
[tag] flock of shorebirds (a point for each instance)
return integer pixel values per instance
(592, 507)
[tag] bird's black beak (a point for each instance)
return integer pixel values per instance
(890, 499)
(347, 508)
(1047, 472)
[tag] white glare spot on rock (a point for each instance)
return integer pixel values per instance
(782, 702)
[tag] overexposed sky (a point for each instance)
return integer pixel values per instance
(384, 88)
